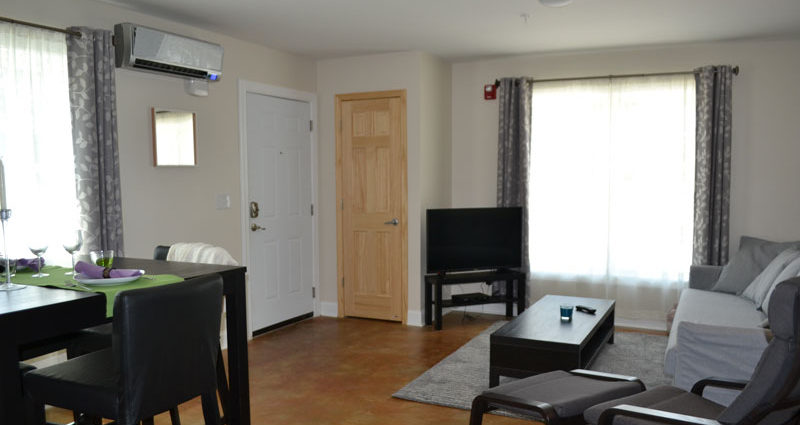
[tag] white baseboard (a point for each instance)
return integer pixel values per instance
(414, 318)
(329, 309)
(654, 325)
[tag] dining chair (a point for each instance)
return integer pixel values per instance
(163, 354)
(191, 252)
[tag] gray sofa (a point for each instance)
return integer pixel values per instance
(713, 334)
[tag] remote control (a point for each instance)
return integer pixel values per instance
(584, 309)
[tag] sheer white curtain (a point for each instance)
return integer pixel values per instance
(611, 190)
(36, 140)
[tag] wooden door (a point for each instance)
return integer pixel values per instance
(372, 214)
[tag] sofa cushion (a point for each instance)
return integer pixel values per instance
(753, 256)
(790, 271)
(710, 308)
(758, 288)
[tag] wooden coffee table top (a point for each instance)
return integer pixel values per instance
(541, 323)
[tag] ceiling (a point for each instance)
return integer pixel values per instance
(458, 30)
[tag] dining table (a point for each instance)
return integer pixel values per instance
(37, 313)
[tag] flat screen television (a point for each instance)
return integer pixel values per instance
(460, 239)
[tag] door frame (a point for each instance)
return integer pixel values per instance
(245, 87)
(404, 201)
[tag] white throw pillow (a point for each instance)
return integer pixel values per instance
(760, 286)
(791, 270)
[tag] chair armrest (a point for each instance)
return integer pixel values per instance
(731, 384)
(607, 417)
(703, 277)
(604, 376)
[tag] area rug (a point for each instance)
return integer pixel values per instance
(459, 377)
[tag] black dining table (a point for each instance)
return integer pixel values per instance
(38, 313)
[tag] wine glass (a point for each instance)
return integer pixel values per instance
(38, 249)
(74, 243)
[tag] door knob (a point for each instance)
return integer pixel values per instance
(393, 222)
(255, 227)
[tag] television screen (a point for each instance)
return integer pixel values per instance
(474, 239)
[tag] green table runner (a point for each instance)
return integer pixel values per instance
(58, 279)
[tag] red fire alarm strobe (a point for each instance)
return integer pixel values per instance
(490, 92)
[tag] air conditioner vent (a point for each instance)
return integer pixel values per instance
(172, 69)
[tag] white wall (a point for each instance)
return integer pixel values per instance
(766, 129)
(435, 149)
(166, 205)
(426, 81)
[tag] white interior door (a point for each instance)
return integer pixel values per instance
(279, 200)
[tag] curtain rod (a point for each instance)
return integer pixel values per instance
(735, 71)
(44, 27)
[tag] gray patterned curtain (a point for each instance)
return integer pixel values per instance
(93, 103)
(712, 165)
(513, 152)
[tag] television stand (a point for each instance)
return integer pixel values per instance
(435, 282)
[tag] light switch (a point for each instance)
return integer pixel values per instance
(223, 201)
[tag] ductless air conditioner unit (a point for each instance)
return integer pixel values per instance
(149, 49)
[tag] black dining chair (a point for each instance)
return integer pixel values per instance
(160, 253)
(163, 354)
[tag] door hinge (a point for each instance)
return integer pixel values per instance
(310, 125)
(313, 292)
(342, 204)
(342, 281)
(312, 209)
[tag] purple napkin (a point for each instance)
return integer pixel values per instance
(99, 272)
(29, 263)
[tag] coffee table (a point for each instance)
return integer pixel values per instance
(538, 341)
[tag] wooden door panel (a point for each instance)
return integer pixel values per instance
(371, 180)
(371, 186)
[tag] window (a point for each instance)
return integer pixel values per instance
(612, 180)
(36, 140)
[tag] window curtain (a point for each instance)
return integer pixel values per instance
(513, 153)
(92, 97)
(713, 165)
(611, 190)
(35, 140)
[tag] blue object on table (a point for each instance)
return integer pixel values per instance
(566, 313)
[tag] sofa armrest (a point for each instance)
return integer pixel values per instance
(703, 277)
(719, 351)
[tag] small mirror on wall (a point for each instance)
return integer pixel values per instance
(174, 140)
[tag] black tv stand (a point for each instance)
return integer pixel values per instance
(435, 282)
